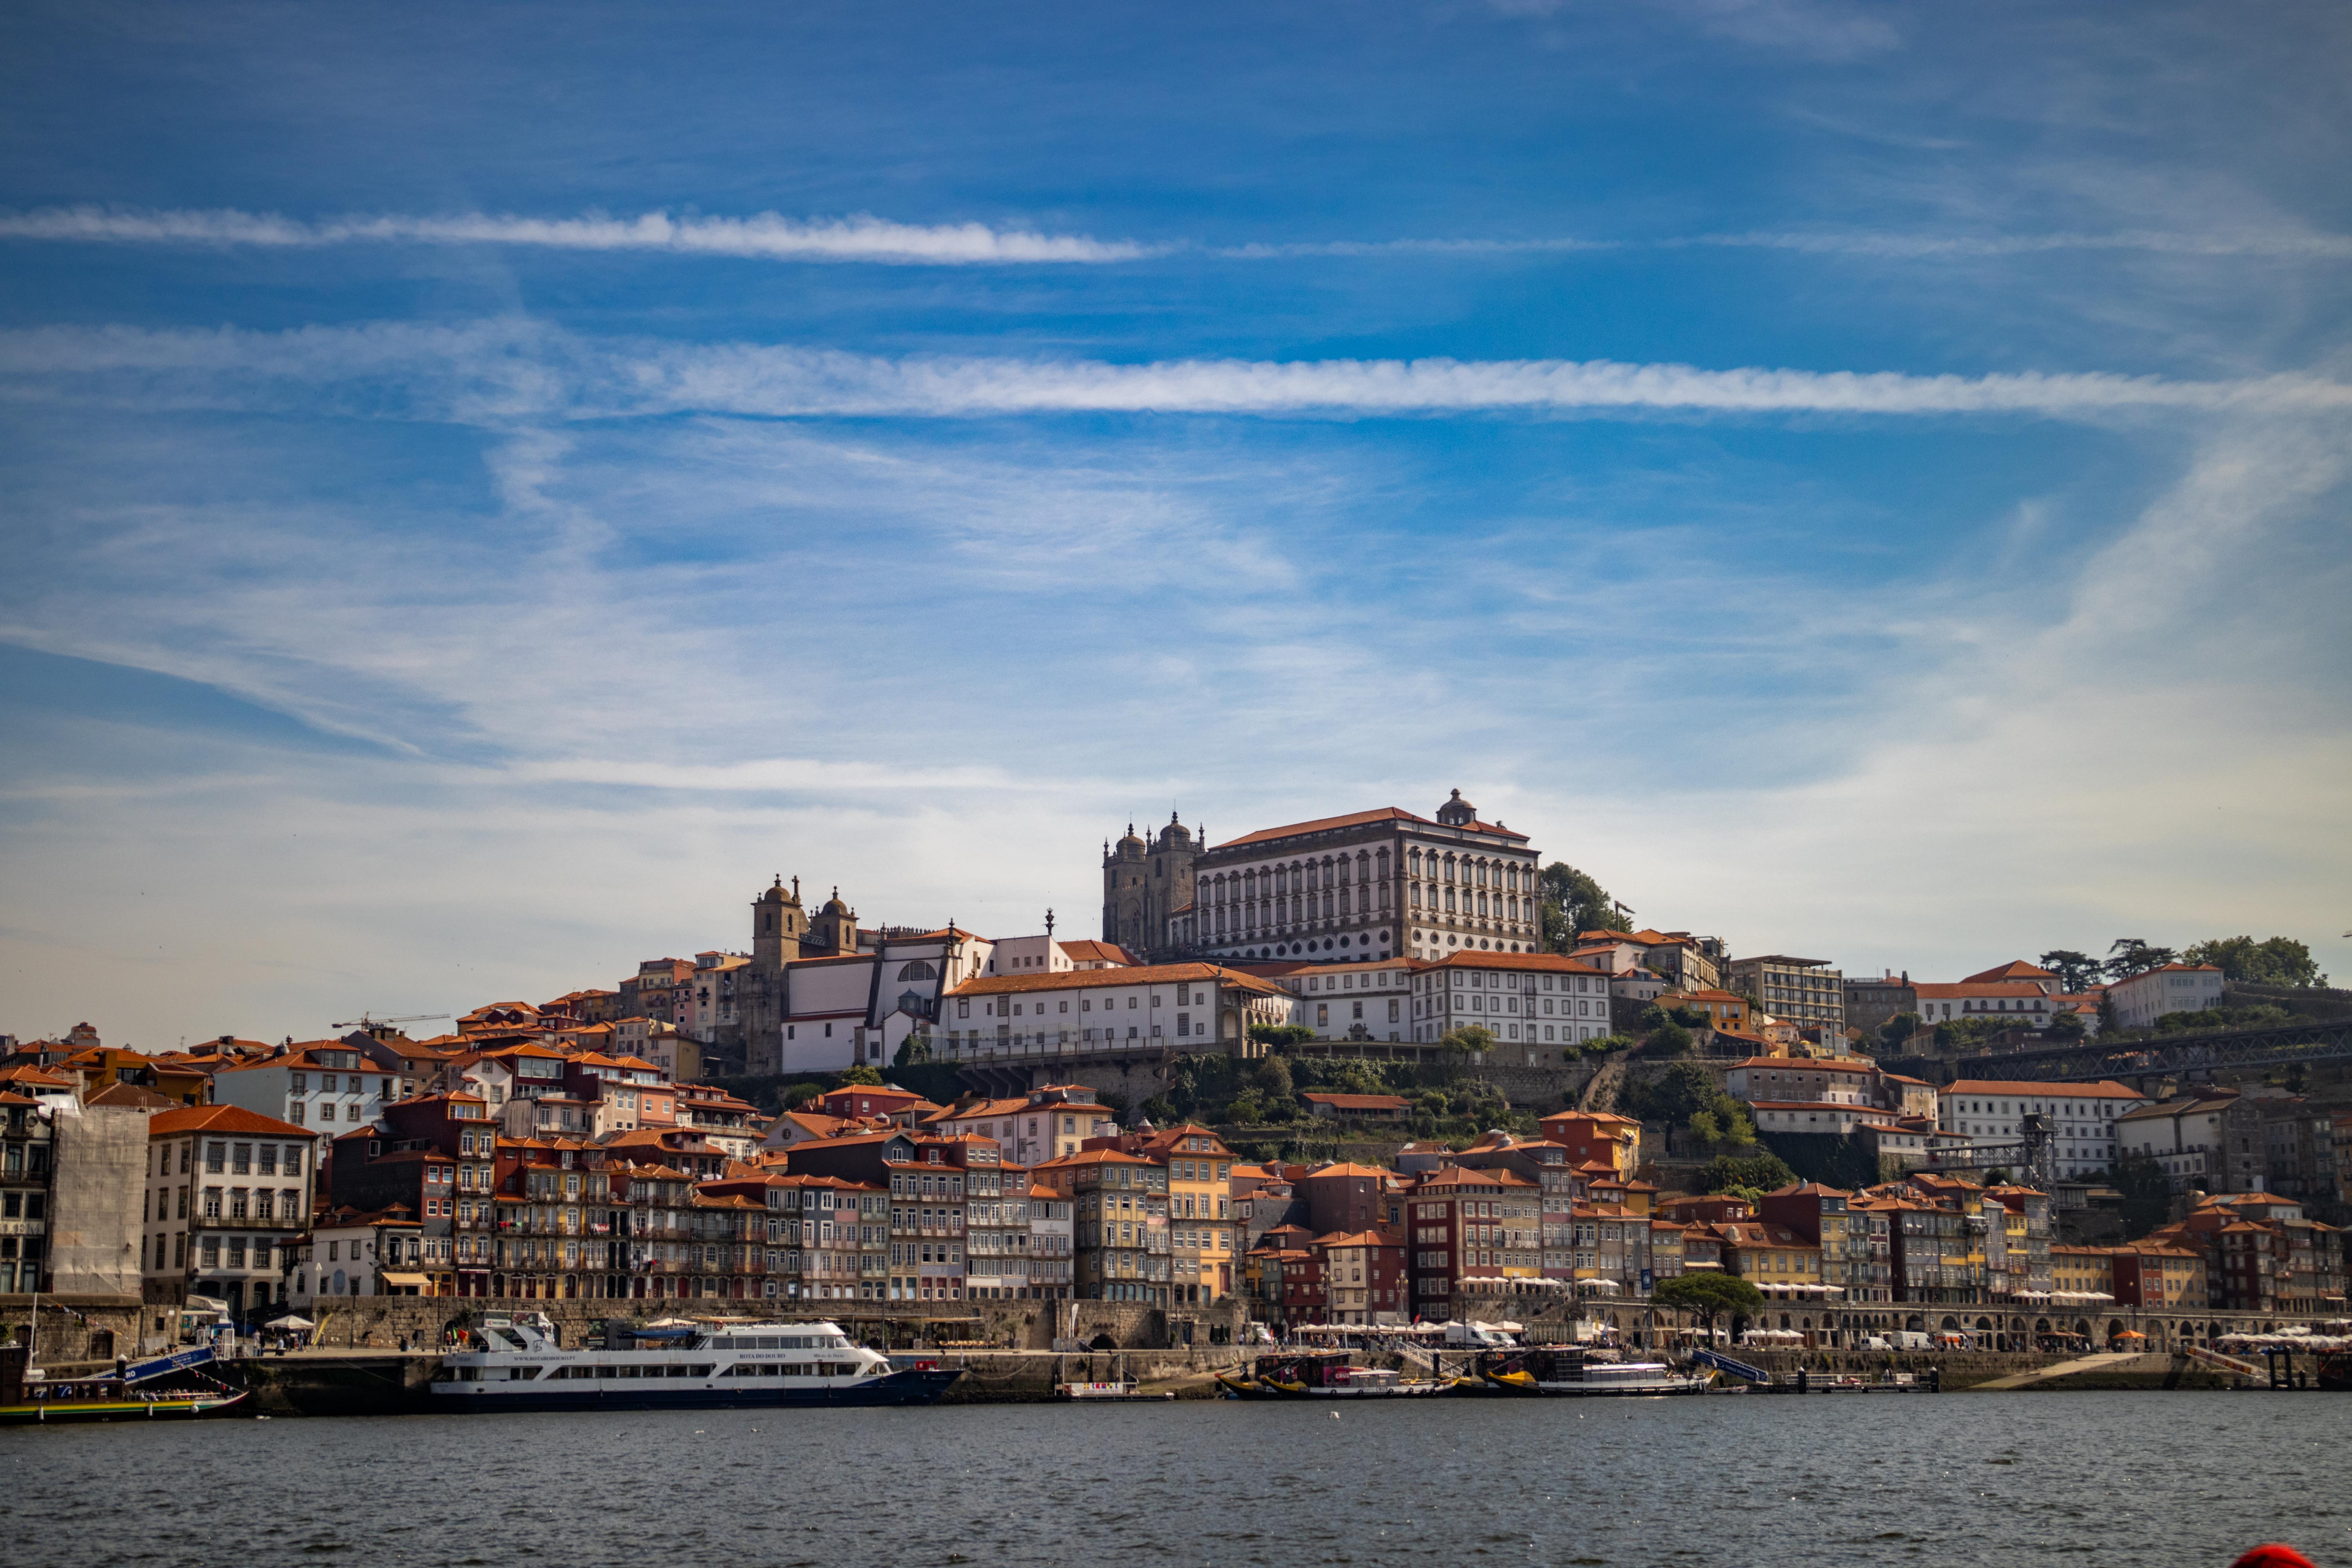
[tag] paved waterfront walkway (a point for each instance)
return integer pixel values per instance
(2110, 1360)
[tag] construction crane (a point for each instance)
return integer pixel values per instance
(365, 1022)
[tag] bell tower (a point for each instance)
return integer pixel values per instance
(1123, 916)
(778, 923)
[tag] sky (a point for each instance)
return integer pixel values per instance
(485, 488)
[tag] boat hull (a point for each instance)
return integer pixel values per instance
(54, 1411)
(912, 1386)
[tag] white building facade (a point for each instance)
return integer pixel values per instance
(326, 1085)
(1367, 884)
(2081, 1117)
(2144, 998)
(1532, 1003)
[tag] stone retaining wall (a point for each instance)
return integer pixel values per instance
(382, 1322)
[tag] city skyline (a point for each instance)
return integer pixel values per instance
(486, 494)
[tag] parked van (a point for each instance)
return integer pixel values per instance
(1911, 1340)
(1876, 1343)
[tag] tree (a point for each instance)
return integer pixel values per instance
(1674, 1095)
(1898, 1028)
(2280, 961)
(1764, 1171)
(2068, 1025)
(1574, 902)
(1707, 1296)
(2147, 1190)
(2129, 955)
(1470, 1039)
(2076, 972)
(802, 1093)
(1280, 1036)
(865, 1075)
(1670, 1040)
(1271, 1078)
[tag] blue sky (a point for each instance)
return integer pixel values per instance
(485, 487)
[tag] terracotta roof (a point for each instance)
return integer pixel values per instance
(221, 1119)
(132, 1095)
(1979, 988)
(1550, 962)
(1809, 1064)
(1096, 952)
(1463, 1176)
(1091, 979)
(1324, 823)
(2015, 969)
(2105, 1089)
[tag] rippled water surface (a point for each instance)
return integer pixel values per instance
(2137, 1479)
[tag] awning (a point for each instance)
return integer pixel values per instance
(416, 1280)
(292, 1322)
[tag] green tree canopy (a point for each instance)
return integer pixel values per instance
(1271, 1076)
(861, 1074)
(2076, 972)
(1670, 1040)
(1708, 1296)
(802, 1093)
(2278, 961)
(1573, 902)
(1281, 1035)
(1763, 1170)
(2129, 955)
(1469, 1039)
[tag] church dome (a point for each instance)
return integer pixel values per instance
(775, 895)
(834, 905)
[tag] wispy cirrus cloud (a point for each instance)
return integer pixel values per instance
(764, 236)
(504, 371)
(864, 238)
(2294, 246)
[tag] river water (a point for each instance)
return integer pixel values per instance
(2136, 1480)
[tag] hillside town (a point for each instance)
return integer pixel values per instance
(1372, 1070)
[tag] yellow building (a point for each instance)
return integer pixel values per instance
(1768, 1255)
(1204, 1240)
(2082, 1271)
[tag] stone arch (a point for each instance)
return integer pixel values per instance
(1952, 1324)
(1915, 1323)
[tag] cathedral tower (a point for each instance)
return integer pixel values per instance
(1144, 884)
(778, 923)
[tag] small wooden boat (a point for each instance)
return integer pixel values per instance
(42, 1405)
(1101, 1392)
(1326, 1375)
(1571, 1372)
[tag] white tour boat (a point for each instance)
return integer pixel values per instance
(520, 1365)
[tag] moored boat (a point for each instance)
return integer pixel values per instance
(44, 1405)
(1324, 1375)
(518, 1363)
(1572, 1371)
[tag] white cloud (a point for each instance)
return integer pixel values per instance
(2289, 244)
(867, 239)
(503, 371)
(765, 235)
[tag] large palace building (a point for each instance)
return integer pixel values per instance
(1368, 885)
